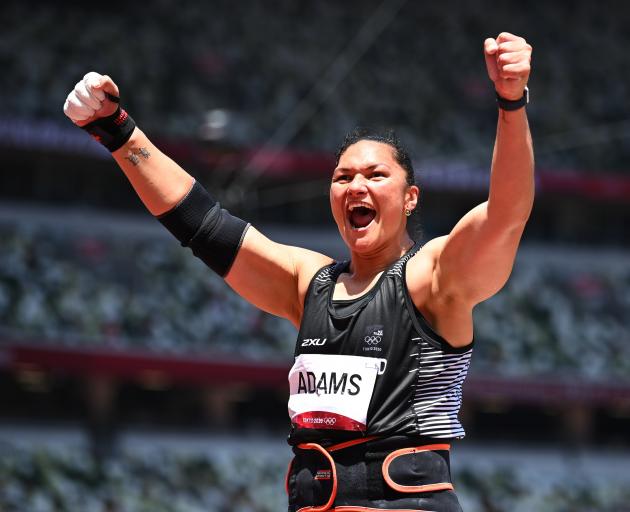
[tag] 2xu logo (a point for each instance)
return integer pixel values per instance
(310, 342)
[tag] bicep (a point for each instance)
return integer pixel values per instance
(477, 257)
(272, 276)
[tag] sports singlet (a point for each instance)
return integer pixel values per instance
(373, 367)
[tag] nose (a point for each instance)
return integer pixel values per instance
(358, 184)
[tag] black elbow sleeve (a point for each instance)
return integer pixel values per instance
(213, 234)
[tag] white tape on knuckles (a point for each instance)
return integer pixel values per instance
(76, 109)
(87, 96)
(83, 101)
(91, 80)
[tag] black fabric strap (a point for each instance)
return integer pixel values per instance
(219, 239)
(361, 483)
(184, 220)
(212, 233)
(112, 131)
(375, 484)
(112, 98)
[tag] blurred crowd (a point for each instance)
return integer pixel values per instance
(561, 312)
(121, 293)
(47, 480)
(160, 481)
(245, 69)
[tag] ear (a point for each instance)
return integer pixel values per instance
(412, 195)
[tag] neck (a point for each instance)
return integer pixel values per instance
(365, 265)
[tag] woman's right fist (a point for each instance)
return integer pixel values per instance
(89, 99)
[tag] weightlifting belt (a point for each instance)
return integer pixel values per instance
(353, 475)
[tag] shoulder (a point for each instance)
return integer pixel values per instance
(422, 265)
(447, 315)
(273, 276)
(420, 269)
(308, 264)
(434, 247)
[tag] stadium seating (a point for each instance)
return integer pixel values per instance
(562, 312)
(46, 479)
(424, 74)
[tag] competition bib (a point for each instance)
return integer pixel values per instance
(332, 391)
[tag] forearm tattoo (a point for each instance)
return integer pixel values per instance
(133, 155)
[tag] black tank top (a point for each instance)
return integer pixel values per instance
(372, 365)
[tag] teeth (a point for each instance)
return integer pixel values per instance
(360, 205)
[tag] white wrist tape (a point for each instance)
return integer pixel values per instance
(83, 101)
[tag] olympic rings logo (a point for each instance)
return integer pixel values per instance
(372, 340)
(330, 421)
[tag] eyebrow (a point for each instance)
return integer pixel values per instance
(367, 168)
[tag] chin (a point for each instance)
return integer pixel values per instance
(360, 241)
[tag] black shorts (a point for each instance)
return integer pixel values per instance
(371, 474)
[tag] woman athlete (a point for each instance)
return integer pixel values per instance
(385, 338)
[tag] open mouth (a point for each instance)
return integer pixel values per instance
(360, 215)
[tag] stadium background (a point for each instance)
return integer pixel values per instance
(133, 379)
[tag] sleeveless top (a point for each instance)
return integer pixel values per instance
(373, 366)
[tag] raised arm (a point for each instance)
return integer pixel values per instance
(272, 276)
(475, 260)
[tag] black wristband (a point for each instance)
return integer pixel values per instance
(513, 104)
(112, 131)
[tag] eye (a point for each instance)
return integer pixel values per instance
(341, 178)
(377, 175)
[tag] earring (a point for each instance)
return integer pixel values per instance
(407, 212)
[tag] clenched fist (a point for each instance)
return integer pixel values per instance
(92, 98)
(508, 59)
(93, 105)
